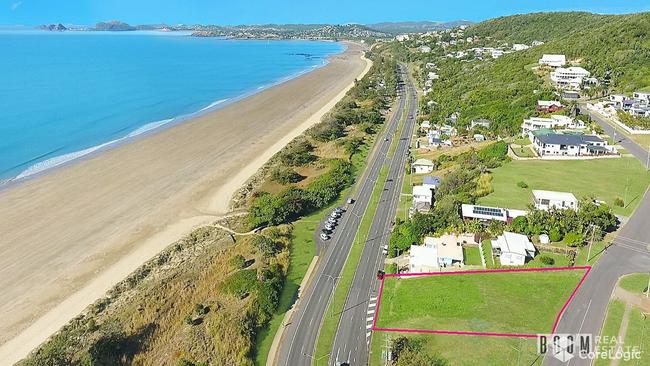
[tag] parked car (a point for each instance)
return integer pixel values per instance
(340, 210)
(332, 220)
(335, 214)
(350, 201)
(324, 236)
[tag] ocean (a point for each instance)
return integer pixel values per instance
(66, 95)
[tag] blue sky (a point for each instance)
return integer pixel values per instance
(34, 12)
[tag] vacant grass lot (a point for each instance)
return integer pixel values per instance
(604, 179)
(516, 302)
(472, 256)
(636, 283)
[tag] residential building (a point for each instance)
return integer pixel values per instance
(553, 60)
(520, 47)
(486, 214)
(431, 182)
(449, 130)
(537, 43)
(570, 77)
(570, 94)
(425, 49)
(449, 248)
(549, 106)
(545, 200)
(423, 166)
(402, 37)
(618, 100)
(425, 125)
(555, 144)
(513, 249)
(641, 96)
(478, 137)
(423, 194)
(430, 65)
(555, 121)
(423, 259)
(433, 76)
(480, 122)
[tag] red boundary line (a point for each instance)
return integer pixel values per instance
(485, 334)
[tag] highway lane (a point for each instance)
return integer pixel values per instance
(628, 254)
(352, 339)
(300, 336)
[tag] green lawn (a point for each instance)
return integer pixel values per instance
(637, 283)
(615, 311)
(487, 253)
(472, 256)
(522, 141)
(519, 302)
(465, 350)
(332, 315)
(638, 335)
(604, 179)
(561, 260)
(524, 152)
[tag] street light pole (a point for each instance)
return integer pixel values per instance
(591, 243)
(647, 290)
(316, 359)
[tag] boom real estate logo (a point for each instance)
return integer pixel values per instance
(565, 347)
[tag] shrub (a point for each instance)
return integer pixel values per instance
(392, 268)
(284, 175)
(547, 260)
(555, 235)
(618, 201)
(297, 153)
(573, 239)
(238, 261)
(522, 184)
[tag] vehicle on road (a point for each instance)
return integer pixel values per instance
(329, 227)
(324, 236)
(386, 139)
(380, 274)
(350, 201)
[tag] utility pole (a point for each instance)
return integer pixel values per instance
(647, 164)
(316, 359)
(591, 243)
(647, 290)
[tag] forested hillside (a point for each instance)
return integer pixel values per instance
(614, 48)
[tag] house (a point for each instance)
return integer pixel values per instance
(423, 195)
(480, 122)
(549, 106)
(430, 65)
(513, 249)
(449, 130)
(425, 49)
(422, 166)
(425, 125)
(545, 200)
(449, 248)
(618, 101)
(486, 214)
(555, 144)
(641, 96)
(434, 140)
(520, 47)
(433, 76)
(570, 77)
(478, 137)
(552, 60)
(537, 43)
(431, 182)
(402, 37)
(423, 259)
(555, 121)
(570, 94)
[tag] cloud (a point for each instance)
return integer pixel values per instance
(16, 5)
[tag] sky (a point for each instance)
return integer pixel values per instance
(87, 12)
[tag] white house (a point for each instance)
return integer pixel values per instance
(449, 248)
(425, 49)
(402, 37)
(433, 76)
(570, 77)
(520, 47)
(431, 182)
(480, 122)
(430, 65)
(485, 213)
(513, 249)
(641, 96)
(425, 125)
(423, 259)
(553, 60)
(423, 166)
(555, 121)
(545, 200)
(422, 195)
(554, 144)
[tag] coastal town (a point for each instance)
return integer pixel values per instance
(400, 194)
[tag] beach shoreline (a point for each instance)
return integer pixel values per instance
(133, 201)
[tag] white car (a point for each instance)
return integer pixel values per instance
(324, 236)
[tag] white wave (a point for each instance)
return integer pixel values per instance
(214, 104)
(147, 127)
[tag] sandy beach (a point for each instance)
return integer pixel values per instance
(68, 236)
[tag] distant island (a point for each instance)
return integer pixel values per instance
(272, 31)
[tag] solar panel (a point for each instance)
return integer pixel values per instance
(488, 211)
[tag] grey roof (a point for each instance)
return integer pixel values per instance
(559, 139)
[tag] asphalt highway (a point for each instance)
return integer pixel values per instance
(351, 343)
(299, 341)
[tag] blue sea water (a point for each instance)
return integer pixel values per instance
(66, 95)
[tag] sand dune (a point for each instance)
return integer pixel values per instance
(68, 236)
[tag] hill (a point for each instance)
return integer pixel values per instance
(416, 27)
(615, 48)
(291, 31)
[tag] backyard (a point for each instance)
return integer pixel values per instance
(603, 179)
(495, 302)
